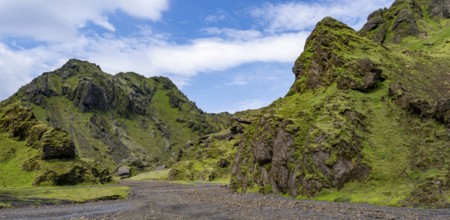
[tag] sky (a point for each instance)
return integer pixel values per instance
(225, 55)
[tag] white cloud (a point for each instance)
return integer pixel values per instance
(219, 16)
(247, 105)
(11, 65)
(296, 16)
(150, 55)
(149, 9)
(231, 33)
(59, 20)
(212, 54)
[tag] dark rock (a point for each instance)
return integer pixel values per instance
(405, 25)
(363, 76)
(90, 96)
(17, 121)
(317, 70)
(376, 26)
(74, 176)
(439, 8)
(240, 120)
(374, 20)
(272, 160)
(223, 163)
(38, 89)
(411, 102)
(102, 175)
(443, 111)
(56, 144)
(124, 172)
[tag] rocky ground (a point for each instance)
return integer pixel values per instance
(161, 200)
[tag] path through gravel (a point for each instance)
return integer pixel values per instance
(161, 200)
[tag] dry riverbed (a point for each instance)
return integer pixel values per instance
(162, 200)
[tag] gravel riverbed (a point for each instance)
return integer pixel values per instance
(162, 200)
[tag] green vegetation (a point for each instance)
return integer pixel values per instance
(13, 155)
(11, 197)
(364, 122)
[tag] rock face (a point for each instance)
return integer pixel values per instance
(323, 63)
(440, 8)
(366, 109)
(376, 23)
(126, 119)
(273, 158)
(400, 21)
(55, 162)
(90, 96)
(21, 123)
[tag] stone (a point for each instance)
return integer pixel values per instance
(222, 163)
(439, 8)
(124, 172)
(90, 96)
(363, 76)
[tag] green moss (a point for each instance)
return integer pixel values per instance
(13, 154)
(78, 194)
(153, 175)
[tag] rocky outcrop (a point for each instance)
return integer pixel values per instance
(55, 162)
(281, 157)
(56, 144)
(405, 24)
(320, 55)
(89, 96)
(52, 143)
(377, 25)
(439, 8)
(363, 75)
(393, 24)
(323, 61)
(426, 108)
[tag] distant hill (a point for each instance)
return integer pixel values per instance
(81, 117)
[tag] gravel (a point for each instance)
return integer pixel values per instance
(162, 200)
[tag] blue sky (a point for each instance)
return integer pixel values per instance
(225, 55)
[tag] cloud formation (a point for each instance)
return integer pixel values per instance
(55, 29)
(297, 16)
(59, 20)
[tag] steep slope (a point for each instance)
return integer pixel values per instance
(125, 119)
(363, 121)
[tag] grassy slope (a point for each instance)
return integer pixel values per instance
(16, 184)
(406, 152)
(13, 154)
(79, 194)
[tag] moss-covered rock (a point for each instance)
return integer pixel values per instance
(361, 116)
(126, 119)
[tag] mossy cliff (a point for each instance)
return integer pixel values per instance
(79, 111)
(367, 118)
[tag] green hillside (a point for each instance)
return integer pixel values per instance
(103, 120)
(367, 119)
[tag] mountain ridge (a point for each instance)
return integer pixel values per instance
(121, 120)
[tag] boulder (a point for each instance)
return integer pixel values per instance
(124, 172)
(56, 144)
